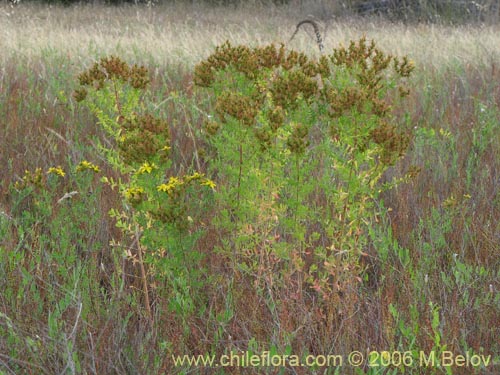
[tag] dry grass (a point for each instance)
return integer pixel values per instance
(185, 34)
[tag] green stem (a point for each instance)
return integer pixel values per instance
(117, 100)
(297, 168)
(239, 176)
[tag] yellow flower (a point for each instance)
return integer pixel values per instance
(194, 176)
(57, 171)
(197, 175)
(174, 181)
(172, 184)
(84, 165)
(451, 201)
(30, 178)
(146, 168)
(162, 187)
(445, 133)
(209, 183)
(134, 194)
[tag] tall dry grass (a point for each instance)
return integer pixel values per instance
(184, 34)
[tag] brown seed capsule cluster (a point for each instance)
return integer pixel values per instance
(250, 61)
(361, 53)
(287, 88)
(211, 127)
(297, 75)
(340, 102)
(394, 143)
(413, 171)
(143, 137)
(323, 67)
(266, 133)
(240, 58)
(276, 118)
(264, 137)
(369, 64)
(403, 68)
(238, 106)
(298, 141)
(282, 79)
(111, 68)
(174, 212)
(279, 80)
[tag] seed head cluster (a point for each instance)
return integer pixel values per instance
(298, 140)
(279, 78)
(286, 89)
(276, 118)
(143, 137)
(394, 143)
(111, 68)
(251, 62)
(369, 65)
(238, 106)
(283, 79)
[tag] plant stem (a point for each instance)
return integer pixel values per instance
(117, 100)
(239, 175)
(143, 276)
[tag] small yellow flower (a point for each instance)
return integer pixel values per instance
(57, 171)
(162, 187)
(445, 133)
(30, 178)
(194, 176)
(146, 168)
(451, 201)
(134, 194)
(172, 184)
(84, 165)
(174, 181)
(209, 183)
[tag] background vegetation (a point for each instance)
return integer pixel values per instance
(76, 298)
(443, 11)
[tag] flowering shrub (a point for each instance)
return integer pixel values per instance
(156, 206)
(286, 129)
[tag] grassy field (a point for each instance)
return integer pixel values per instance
(81, 295)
